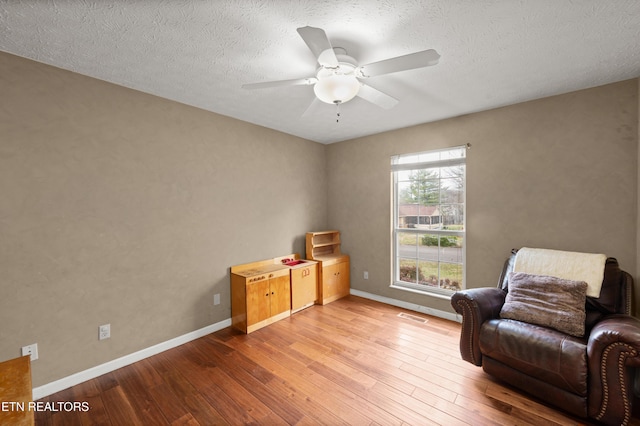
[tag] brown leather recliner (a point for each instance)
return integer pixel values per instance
(590, 376)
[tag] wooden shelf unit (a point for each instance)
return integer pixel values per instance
(323, 244)
(333, 279)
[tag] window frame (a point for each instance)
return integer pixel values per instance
(398, 164)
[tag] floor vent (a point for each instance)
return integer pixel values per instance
(413, 317)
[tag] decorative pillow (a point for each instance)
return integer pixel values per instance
(547, 301)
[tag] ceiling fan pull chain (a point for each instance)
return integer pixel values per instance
(337, 111)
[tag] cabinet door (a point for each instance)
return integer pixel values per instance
(304, 286)
(331, 278)
(344, 282)
(258, 296)
(335, 279)
(280, 297)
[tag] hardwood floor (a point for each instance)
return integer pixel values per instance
(351, 362)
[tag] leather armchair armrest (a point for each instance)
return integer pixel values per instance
(612, 350)
(476, 306)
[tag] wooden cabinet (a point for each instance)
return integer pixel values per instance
(304, 280)
(334, 280)
(259, 296)
(267, 291)
(15, 389)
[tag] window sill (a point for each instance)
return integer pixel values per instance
(436, 293)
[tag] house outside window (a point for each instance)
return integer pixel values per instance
(429, 221)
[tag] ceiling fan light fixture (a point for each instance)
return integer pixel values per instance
(336, 88)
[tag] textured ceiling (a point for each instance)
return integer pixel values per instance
(493, 52)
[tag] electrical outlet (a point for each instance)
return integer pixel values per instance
(366, 275)
(216, 299)
(104, 331)
(31, 350)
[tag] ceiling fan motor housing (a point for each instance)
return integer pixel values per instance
(337, 85)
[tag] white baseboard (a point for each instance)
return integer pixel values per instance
(407, 305)
(107, 367)
(99, 370)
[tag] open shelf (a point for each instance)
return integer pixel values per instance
(322, 244)
(333, 283)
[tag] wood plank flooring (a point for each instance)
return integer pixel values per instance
(351, 362)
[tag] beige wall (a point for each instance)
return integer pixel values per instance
(559, 172)
(123, 208)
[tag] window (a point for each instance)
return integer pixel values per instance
(428, 220)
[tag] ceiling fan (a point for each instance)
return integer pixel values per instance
(338, 79)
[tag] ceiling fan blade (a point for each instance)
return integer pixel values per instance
(376, 97)
(294, 82)
(425, 58)
(312, 107)
(320, 45)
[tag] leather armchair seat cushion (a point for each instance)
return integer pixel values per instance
(540, 352)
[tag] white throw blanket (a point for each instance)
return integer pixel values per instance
(588, 267)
